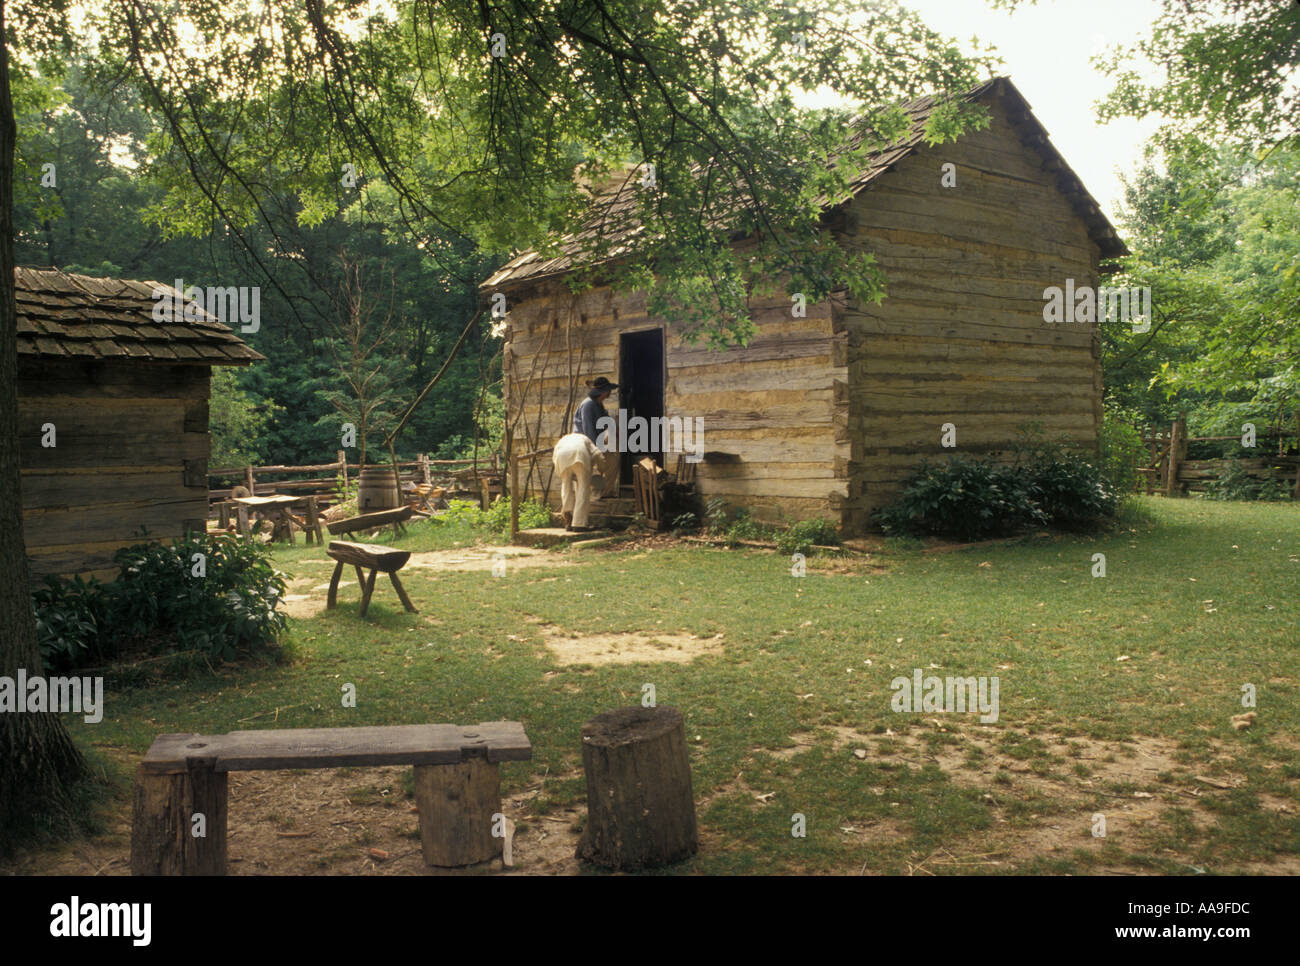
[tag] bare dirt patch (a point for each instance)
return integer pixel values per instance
(483, 558)
(601, 649)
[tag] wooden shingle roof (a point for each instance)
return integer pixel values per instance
(79, 317)
(614, 210)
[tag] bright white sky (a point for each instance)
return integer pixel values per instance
(1046, 50)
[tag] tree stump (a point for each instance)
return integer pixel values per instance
(640, 809)
(456, 804)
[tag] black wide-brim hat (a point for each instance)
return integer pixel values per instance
(601, 384)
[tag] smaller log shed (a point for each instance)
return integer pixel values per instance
(123, 398)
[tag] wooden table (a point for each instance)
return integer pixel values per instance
(276, 507)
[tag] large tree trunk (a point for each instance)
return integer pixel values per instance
(38, 761)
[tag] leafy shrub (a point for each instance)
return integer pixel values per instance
(965, 498)
(743, 526)
(156, 600)
(232, 606)
(800, 537)
(685, 521)
(345, 492)
(1121, 450)
(467, 515)
(975, 499)
(1070, 492)
(715, 514)
(1237, 484)
(69, 621)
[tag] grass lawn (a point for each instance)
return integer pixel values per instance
(1115, 697)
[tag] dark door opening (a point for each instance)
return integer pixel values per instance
(641, 393)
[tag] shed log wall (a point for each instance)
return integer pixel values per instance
(131, 451)
(767, 408)
(960, 336)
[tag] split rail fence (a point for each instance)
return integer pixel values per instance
(1168, 472)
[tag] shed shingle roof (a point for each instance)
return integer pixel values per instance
(614, 217)
(80, 317)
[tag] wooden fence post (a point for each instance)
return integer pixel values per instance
(513, 463)
(343, 466)
(1177, 453)
(248, 477)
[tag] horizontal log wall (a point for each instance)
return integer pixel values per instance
(960, 337)
(767, 408)
(131, 450)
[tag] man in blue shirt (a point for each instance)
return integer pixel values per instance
(586, 421)
(591, 410)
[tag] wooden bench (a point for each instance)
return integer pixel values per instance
(373, 521)
(374, 558)
(457, 786)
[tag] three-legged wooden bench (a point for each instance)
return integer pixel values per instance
(373, 557)
(457, 786)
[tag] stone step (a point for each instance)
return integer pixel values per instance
(554, 536)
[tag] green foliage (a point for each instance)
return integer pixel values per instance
(800, 537)
(1238, 484)
(156, 603)
(582, 90)
(345, 491)
(1070, 492)
(231, 607)
(964, 499)
(686, 521)
(467, 515)
(1225, 70)
(237, 421)
(69, 617)
(975, 499)
(1122, 449)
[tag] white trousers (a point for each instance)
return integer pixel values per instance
(575, 458)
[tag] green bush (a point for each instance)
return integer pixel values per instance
(977, 499)
(467, 515)
(231, 607)
(69, 621)
(1121, 450)
(156, 601)
(1071, 493)
(802, 536)
(964, 499)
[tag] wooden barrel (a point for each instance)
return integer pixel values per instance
(377, 490)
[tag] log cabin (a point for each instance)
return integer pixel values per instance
(825, 416)
(112, 417)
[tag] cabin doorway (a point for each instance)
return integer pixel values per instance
(641, 379)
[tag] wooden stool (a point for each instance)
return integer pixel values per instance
(374, 558)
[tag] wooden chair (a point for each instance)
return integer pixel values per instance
(646, 481)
